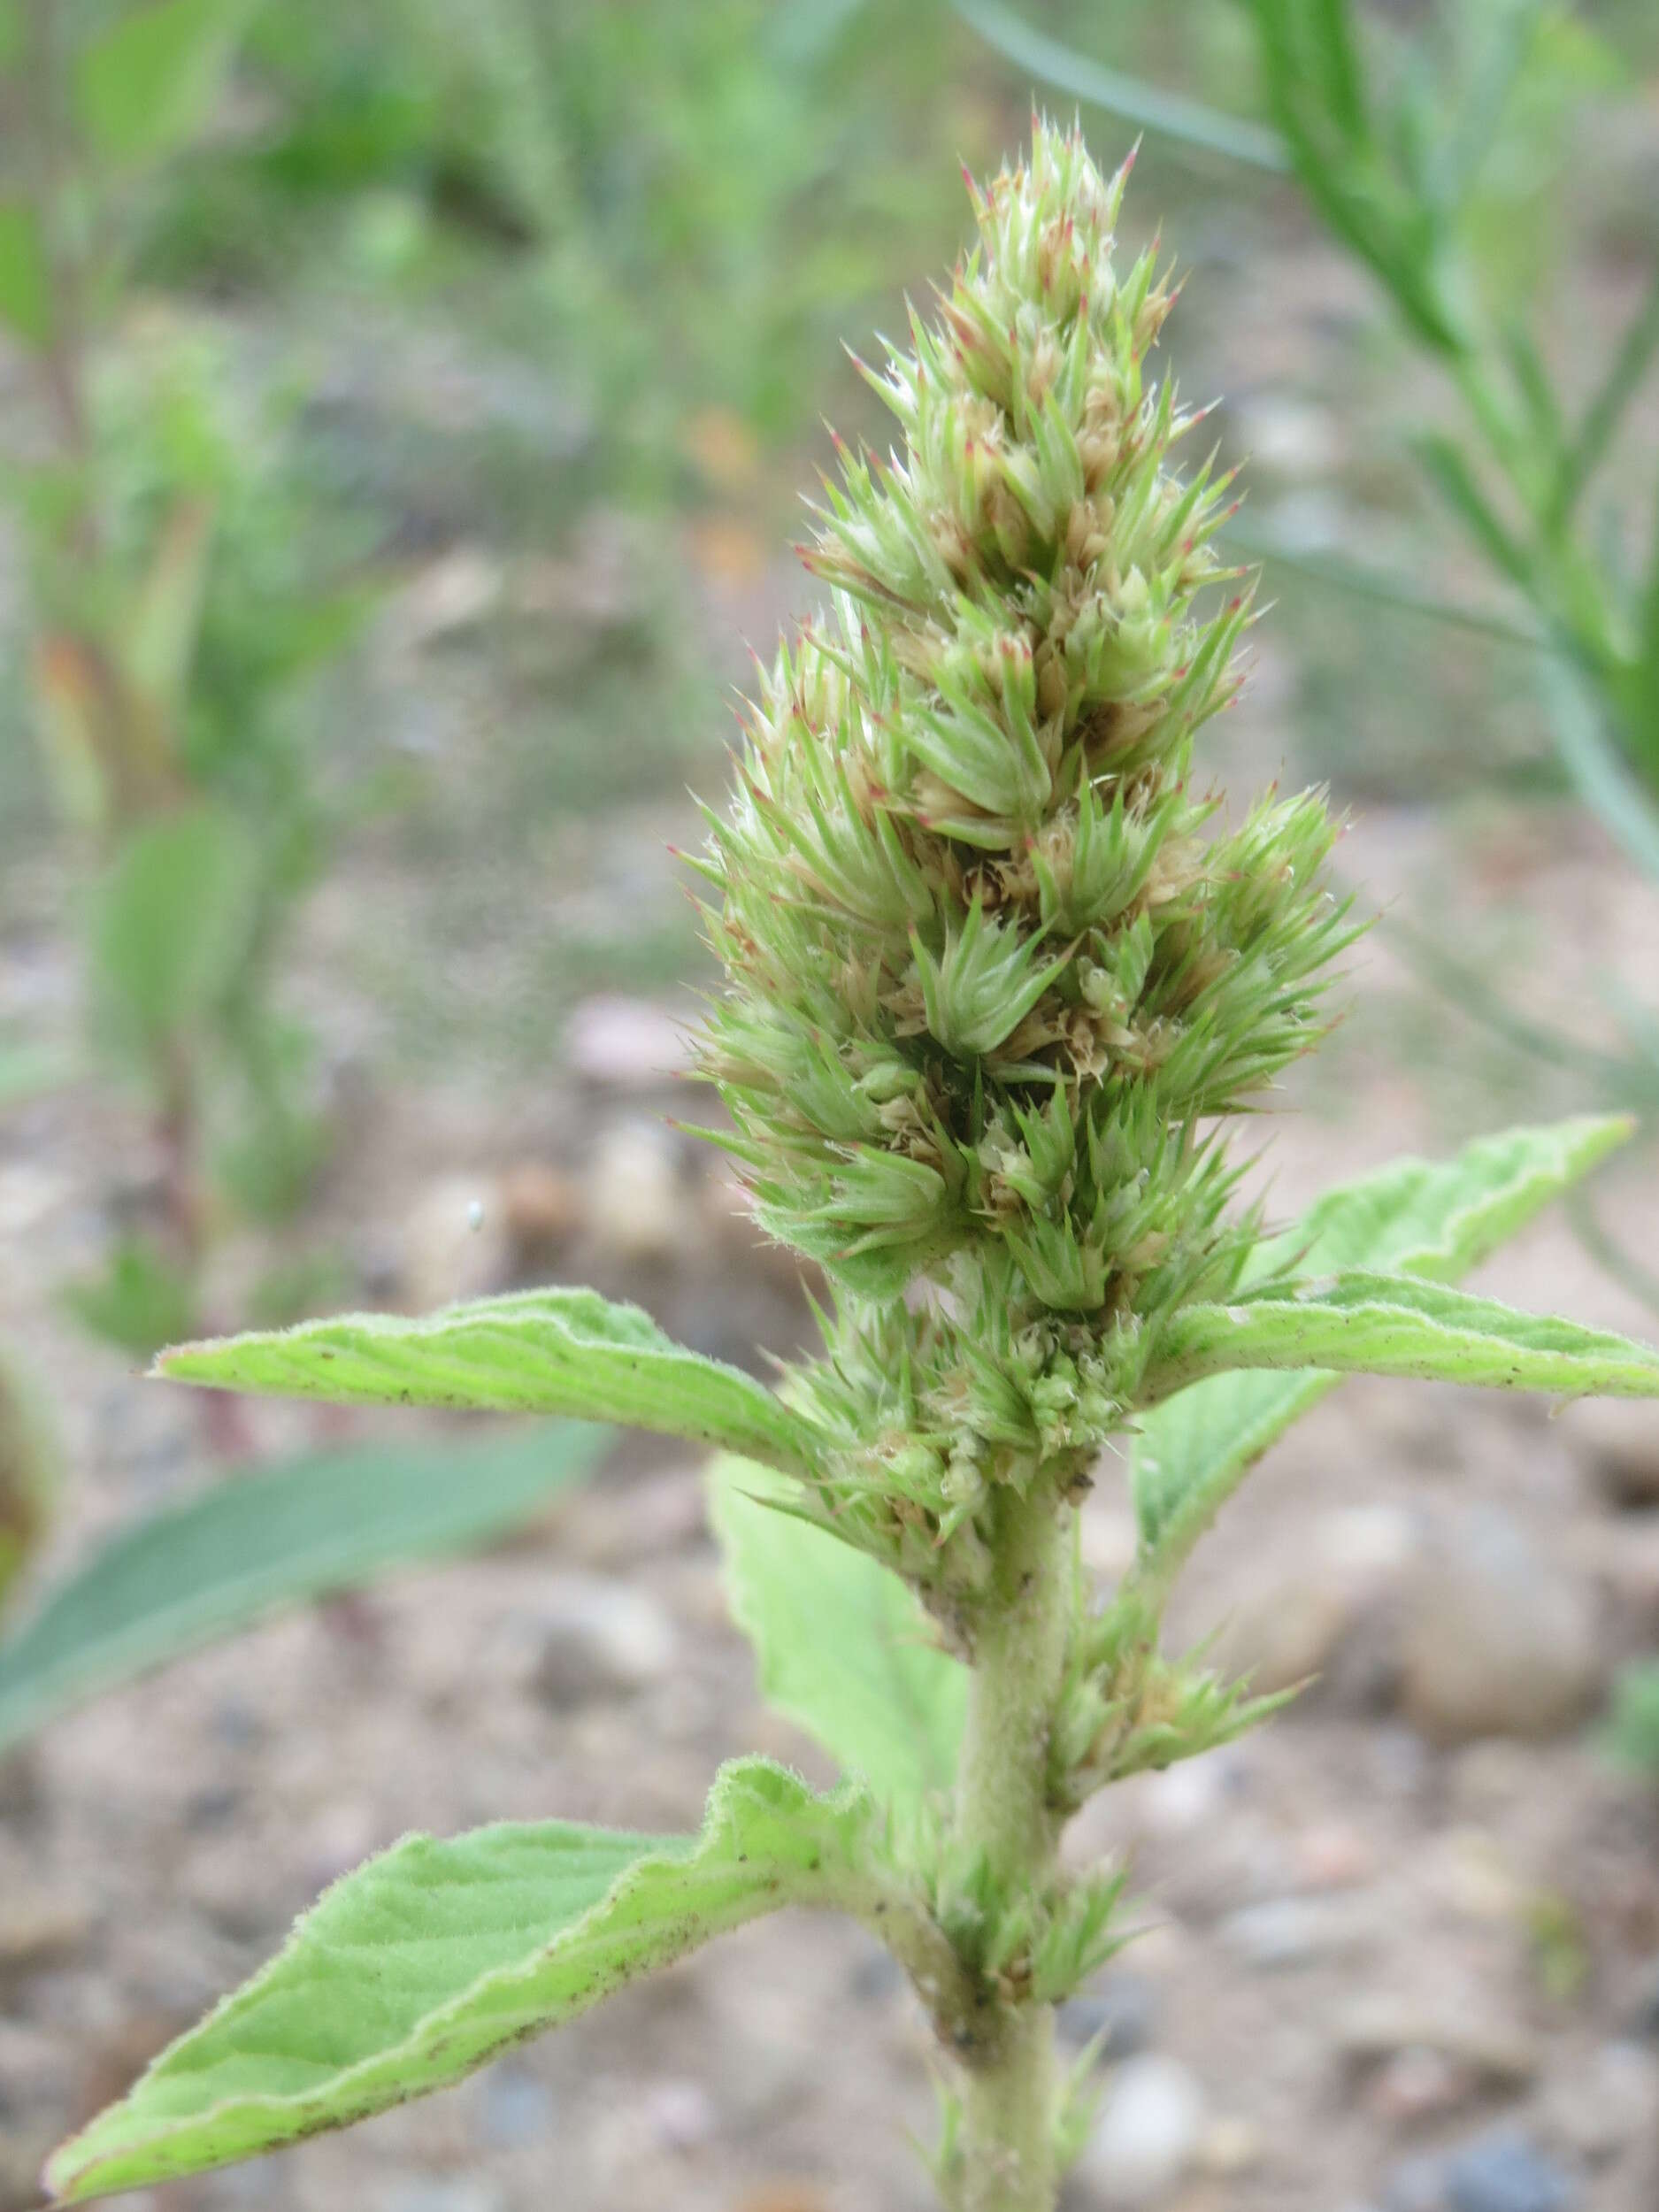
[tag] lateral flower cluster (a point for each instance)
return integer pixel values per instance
(996, 965)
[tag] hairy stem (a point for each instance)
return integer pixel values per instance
(1004, 1813)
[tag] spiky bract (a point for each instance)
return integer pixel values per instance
(996, 965)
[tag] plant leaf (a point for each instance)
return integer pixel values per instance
(193, 1572)
(26, 279)
(1433, 1220)
(845, 1650)
(1170, 115)
(173, 919)
(429, 1960)
(1388, 1324)
(537, 1351)
(147, 83)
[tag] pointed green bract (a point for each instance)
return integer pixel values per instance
(426, 1962)
(258, 1541)
(538, 1351)
(1388, 1324)
(843, 1647)
(1433, 1220)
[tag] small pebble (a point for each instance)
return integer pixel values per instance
(599, 1638)
(1506, 2172)
(1285, 1932)
(1148, 2136)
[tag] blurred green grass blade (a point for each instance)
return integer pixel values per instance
(1168, 115)
(559, 1351)
(1532, 382)
(1605, 412)
(198, 1572)
(1470, 992)
(1449, 467)
(843, 1647)
(1357, 581)
(1644, 691)
(1482, 104)
(1342, 75)
(1599, 773)
(1609, 1254)
(411, 1973)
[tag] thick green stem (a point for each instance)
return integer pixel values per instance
(1002, 1813)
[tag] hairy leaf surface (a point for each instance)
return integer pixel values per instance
(1431, 1219)
(1388, 1324)
(538, 1351)
(196, 1572)
(844, 1649)
(426, 1962)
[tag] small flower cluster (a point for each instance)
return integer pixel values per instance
(996, 968)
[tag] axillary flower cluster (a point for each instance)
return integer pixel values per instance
(997, 964)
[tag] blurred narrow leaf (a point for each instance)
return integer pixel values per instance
(1645, 689)
(1431, 1220)
(162, 626)
(25, 281)
(1532, 382)
(1163, 114)
(1447, 465)
(254, 1542)
(1599, 773)
(1606, 410)
(146, 84)
(1364, 1324)
(1339, 573)
(844, 1649)
(1340, 77)
(142, 1299)
(423, 1964)
(537, 1351)
(170, 920)
(1484, 101)
(29, 1473)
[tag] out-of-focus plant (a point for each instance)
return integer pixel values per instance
(261, 1540)
(999, 975)
(176, 607)
(28, 1475)
(672, 206)
(1631, 1731)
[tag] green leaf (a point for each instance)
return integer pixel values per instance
(172, 920)
(537, 1351)
(1431, 1219)
(845, 1650)
(1388, 1324)
(1599, 772)
(147, 84)
(1170, 115)
(428, 1961)
(1446, 463)
(194, 1572)
(141, 1301)
(26, 277)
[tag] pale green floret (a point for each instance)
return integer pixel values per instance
(994, 971)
